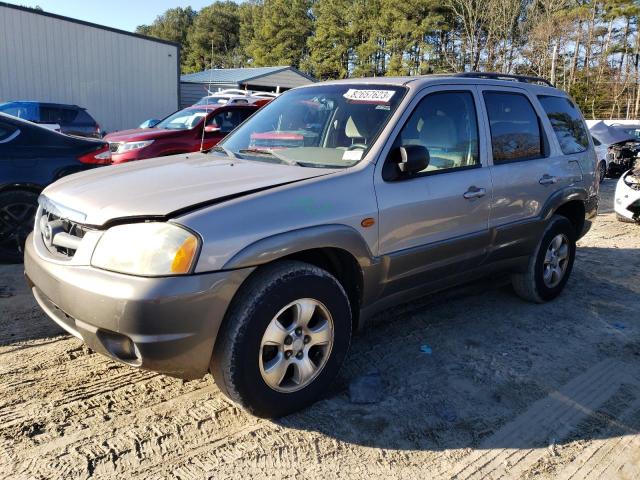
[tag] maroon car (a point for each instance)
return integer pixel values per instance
(190, 130)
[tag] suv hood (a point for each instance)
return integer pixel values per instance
(164, 186)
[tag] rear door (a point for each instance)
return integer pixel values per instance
(435, 224)
(527, 166)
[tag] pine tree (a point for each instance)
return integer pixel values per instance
(280, 33)
(216, 28)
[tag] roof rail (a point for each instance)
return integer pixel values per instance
(505, 76)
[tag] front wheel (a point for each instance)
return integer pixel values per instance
(283, 340)
(551, 264)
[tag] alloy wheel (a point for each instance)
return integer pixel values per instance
(556, 261)
(16, 222)
(296, 345)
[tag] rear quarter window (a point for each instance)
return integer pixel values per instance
(83, 118)
(567, 123)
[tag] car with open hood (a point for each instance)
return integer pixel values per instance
(258, 260)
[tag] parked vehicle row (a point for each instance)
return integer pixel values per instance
(258, 260)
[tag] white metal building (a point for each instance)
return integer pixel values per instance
(121, 78)
(194, 86)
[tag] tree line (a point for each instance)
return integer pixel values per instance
(590, 48)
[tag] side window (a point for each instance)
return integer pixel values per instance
(596, 142)
(446, 124)
(8, 132)
(227, 121)
(50, 115)
(515, 130)
(68, 115)
(83, 118)
(566, 122)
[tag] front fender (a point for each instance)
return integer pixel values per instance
(287, 243)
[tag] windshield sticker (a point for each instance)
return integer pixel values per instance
(352, 155)
(369, 96)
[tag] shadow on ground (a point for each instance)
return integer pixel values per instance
(493, 357)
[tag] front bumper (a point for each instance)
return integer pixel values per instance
(166, 324)
(626, 202)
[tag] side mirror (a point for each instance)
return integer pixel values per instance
(212, 129)
(152, 122)
(406, 161)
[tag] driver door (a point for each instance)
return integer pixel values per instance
(434, 224)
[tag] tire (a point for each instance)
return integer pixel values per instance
(602, 170)
(623, 219)
(241, 357)
(533, 285)
(17, 213)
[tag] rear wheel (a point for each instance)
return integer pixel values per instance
(17, 213)
(283, 340)
(551, 264)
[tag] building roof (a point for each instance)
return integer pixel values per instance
(87, 24)
(227, 76)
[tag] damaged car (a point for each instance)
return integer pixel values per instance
(627, 197)
(257, 261)
(622, 152)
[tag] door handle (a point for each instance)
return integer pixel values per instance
(474, 192)
(547, 179)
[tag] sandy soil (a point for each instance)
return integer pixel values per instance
(510, 390)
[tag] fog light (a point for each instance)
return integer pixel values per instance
(120, 346)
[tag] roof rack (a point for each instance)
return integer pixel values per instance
(505, 76)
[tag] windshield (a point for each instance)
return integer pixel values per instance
(184, 119)
(319, 126)
(213, 100)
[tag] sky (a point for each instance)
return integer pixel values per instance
(122, 14)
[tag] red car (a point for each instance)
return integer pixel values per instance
(181, 132)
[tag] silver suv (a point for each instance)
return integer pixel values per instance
(258, 260)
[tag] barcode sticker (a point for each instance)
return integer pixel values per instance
(369, 96)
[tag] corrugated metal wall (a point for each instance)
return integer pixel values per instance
(190, 93)
(120, 79)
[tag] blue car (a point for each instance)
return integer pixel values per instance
(32, 157)
(72, 119)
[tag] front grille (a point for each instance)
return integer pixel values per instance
(113, 147)
(61, 236)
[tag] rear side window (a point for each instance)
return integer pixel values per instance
(68, 115)
(50, 115)
(83, 118)
(515, 129)
(445, 123)
(566, 122)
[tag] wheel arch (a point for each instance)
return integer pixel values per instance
(26, 186)
(569, 203)
(338, 249)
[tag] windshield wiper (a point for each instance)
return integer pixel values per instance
(225, 150)
(269, 153)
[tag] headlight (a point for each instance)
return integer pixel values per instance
(128, 146)
(151, 249)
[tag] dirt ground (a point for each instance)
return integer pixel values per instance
(510, 390)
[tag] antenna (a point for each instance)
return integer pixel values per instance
(206, 105)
